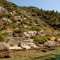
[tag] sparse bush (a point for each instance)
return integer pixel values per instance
(17, 32)
(11, 44)
(40, 39)
(2, 36)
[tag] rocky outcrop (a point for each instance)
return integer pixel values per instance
(4, 50)
(16, 43)
(25, 46)
(30, 33)
(3, 10)
(20, 44)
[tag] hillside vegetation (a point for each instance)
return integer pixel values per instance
(28, 22)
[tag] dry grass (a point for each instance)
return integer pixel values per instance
(32, 55)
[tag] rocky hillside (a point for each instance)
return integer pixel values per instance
(27, 23)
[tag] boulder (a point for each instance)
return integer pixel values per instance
(3, 10)
(33, 45)
(52, 38)
(4, 51)
(25, 46)
(58, 40)
(50, 45)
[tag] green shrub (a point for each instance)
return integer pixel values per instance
(17, 32)
(12, 44)
(37, 28)
(2, 36)
(40, 39)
